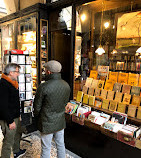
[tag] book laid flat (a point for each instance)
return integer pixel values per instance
(113, 105)
(91, 91)
(117, 87)
(136, 100)
(109, 85)
(85, 89)
(110, 95)
(85, 99)
(93, 74)
(100, 84)
(91, 100)
(133, 79)
(88, 82)
(131, 110)
(126, 88)
(121, 107)
(122, 77)
(126, 98)
(94, 84)
(105, 104)
(79, 96)
(139, 113)
(118, 97)
(135, 90)
(97, 92)
(113, 76)
(103, 93)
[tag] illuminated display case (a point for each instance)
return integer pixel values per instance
(28, 33)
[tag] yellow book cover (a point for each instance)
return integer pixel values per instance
(97, 92)
(88, 82)
(121, 107)
(110, 95)
(91, 91)
(85, 89)
(100, 84)
(85, 99)
(118, 97)
(139, 113)
(94, 84)
(140, 81)
(136, 100)
(123, 77)
(133, 79)
(105, 104)
(103, 93)
(131, 110)
(113, 76)
(109, 85)
(113, 105)
(93, 74)
(126, 98)
(91, 100)
(79, 96)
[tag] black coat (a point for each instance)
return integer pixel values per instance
(49, 104)
(9, 101)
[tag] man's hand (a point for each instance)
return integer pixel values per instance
(12, 126)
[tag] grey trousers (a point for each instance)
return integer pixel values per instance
(11, 138)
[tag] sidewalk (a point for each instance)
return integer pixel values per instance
(34, 147)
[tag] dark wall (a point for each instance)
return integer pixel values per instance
(60, 51)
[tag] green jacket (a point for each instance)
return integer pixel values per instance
(49, 104)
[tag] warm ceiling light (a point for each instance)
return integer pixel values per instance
(114, 51)
(83, 17)
(100, 50)
(138, 51)
(106, 25)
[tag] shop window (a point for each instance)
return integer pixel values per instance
(108, 38)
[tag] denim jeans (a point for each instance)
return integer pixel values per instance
(46, 140)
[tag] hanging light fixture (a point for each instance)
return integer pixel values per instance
(100, 50)
(114, 51)
(138, 51)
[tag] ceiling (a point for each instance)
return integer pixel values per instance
(111, 4)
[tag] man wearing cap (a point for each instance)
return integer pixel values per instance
(49, 108)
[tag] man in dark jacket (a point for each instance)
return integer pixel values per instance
(10, 111)
(49, 107)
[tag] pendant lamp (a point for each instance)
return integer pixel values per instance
(100, 50)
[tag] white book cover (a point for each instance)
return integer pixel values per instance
(21, 78)
(21, 87)
(21, 59)
(28, 60)
(22, 69)
(29, 95)
(14, 58)
(28, 69)
(29, 86)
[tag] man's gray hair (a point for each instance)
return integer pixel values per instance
(10, 67)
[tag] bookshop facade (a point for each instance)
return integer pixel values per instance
(99, 46)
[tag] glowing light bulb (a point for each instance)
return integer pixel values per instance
(83, 17)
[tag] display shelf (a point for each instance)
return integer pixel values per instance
(88, 123)
(108, 133)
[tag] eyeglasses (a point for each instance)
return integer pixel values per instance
(16, 71)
